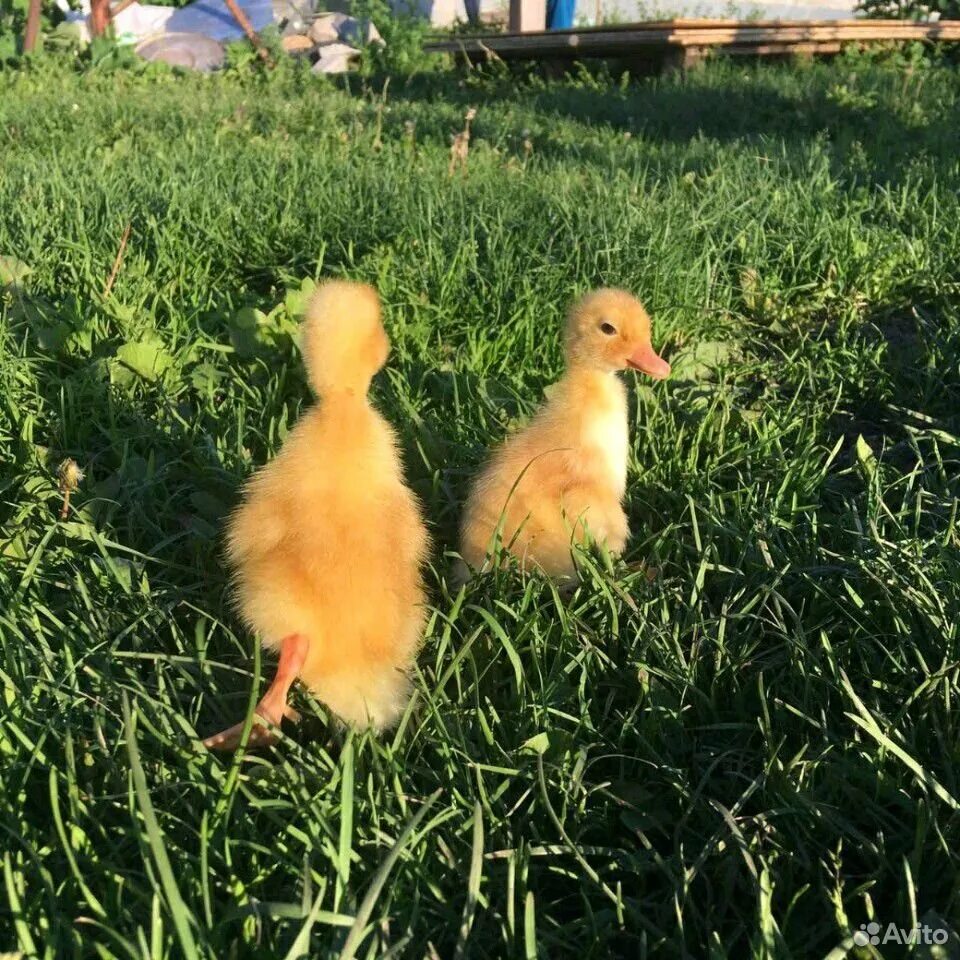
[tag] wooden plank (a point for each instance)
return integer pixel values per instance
(747, 32)
(645, 44)
(599, 46)
(829, 32)
(601, 41)
(704, 24)
(782, 49)
(800, 36)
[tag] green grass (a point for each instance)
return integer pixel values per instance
(749, 756)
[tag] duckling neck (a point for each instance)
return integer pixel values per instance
(350, 408)
(593, 378)
(594, 390)
(596, 408)
(345, 396)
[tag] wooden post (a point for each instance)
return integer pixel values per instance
(99, 17)
(527, 15)
(33, 26)
(683, 58)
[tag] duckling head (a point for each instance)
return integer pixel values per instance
(343, 340)
(610, 330)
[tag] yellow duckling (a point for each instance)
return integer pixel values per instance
(328, 544)
(563, 477)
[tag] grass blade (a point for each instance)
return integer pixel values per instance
(865, 720)
(473, 882)
(345, 849)
(178, 909)
(357, 931)
(529, 927)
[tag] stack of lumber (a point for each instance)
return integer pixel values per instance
(666, 39)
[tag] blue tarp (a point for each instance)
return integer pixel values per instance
(560, 14)
(213, 19)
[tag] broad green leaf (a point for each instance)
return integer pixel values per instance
(53, 338)
(43, 317)
(247, 343)
(247, 318)
(147, 359)
(747, 414)
(539, 744)
(248, 333)
(702, 360)
(12, 271)
(253, 332)
(122, 312)
(296, 300)
(80, 342)
(205, 377)
(279, 322)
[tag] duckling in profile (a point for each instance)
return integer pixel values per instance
(561, 480)
(328, 543)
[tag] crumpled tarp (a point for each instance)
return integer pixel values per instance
(213, 19)
(208, 17)
(137, 21)
(191, 50)
(193, 36)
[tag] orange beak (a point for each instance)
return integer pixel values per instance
(648, 361)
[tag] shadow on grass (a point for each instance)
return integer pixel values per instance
(726, 102)
(154, 479)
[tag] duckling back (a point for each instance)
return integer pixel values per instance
(329, 541)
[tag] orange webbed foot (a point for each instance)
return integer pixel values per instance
(262, 734)
(271, 710)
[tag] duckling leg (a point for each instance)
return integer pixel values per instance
(273, 705)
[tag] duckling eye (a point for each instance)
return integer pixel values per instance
(608, 328)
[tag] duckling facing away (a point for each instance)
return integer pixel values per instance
(565, 474)
(328, 543)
